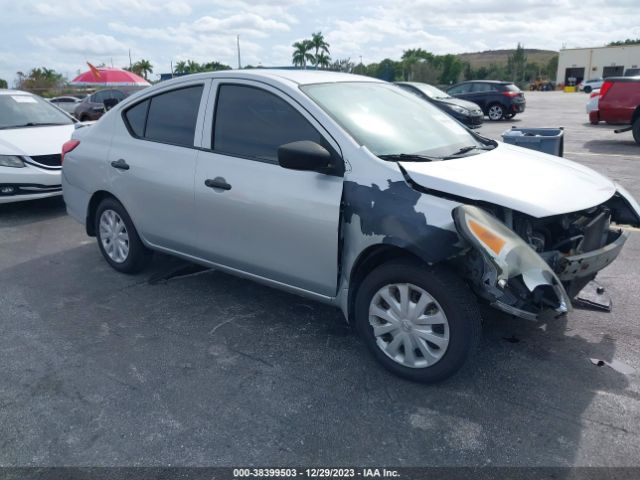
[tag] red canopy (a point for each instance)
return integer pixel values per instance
(109, 77)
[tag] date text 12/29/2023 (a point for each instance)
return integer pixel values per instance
(315, 473)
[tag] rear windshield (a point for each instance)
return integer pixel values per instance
(22, 110)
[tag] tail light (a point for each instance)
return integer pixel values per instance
(605, 88)
(511, 94)
(67, 147)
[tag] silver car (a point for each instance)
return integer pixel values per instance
(350, 191)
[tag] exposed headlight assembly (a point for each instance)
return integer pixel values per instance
(508, 254)
(11, 161)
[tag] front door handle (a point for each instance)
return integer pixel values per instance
(120, 164)
(217, 183)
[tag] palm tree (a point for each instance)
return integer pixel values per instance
(181, 67)
(142, 67)
(322, 60)
(319, 45)
(301, 53)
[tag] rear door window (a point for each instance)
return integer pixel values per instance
(253, 123)
(482, 88)
(172, 116)
(136, 118)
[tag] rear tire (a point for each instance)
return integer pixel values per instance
(495, 112)
(118, 239)
(430, 310)
(636, 130)
(587, 89)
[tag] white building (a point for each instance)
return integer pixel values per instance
(577, 64)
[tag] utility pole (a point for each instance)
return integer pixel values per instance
(130, 65)
(239, 62)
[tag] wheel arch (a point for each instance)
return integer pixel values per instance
(371, 258)
(636, 115)
(95, 200)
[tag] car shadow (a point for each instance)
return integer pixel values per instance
(31, 211)
(617, 145)
(236, 371)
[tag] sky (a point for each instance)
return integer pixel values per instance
(65, 34)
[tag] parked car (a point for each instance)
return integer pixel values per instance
(346, 190)
(32, 132)
(466, 112)
(498, 100)
(619, 103)
(66, 103)
(93, 106)
(587, 86)
(592, 106)
(632, 72)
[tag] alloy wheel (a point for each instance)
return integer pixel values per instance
(495, 112)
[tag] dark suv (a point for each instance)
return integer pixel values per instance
(93, 106)
(497, 99)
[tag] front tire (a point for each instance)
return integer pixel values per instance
(420, 323)
(118, 239)
(587, 90)
(495, 112)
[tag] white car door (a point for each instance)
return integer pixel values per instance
(152, 163)
(253, 215)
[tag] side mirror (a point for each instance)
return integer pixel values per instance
(109, 103)
(305, 155)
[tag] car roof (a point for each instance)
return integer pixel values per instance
(9, 91)
(298, 77)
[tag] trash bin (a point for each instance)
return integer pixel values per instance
(547, 140)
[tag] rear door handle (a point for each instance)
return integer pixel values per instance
(120, 164)
(217, 183)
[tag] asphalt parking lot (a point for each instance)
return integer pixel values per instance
(100, 368)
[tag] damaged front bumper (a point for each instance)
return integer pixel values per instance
(512, 277)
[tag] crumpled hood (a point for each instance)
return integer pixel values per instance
(530, 182)
(34, 140)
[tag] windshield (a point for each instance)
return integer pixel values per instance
(431, 91)
(389, 121)
(21, 110)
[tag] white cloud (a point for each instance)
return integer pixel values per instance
(85, 43)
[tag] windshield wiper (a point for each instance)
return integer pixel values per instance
(468, 149)
(409, 157)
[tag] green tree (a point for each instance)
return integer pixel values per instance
(628, 41)
(302, 53)
(214, 67)
(387, 70)
(181, 67)
(516, 64)
(343, 65)
(412, 57)
(40, 80)
(142, 67)
(322, 60)
(3, 83)
(552, 67)
(319, 45)
(451, 68)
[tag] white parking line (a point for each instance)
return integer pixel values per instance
(602, 154)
